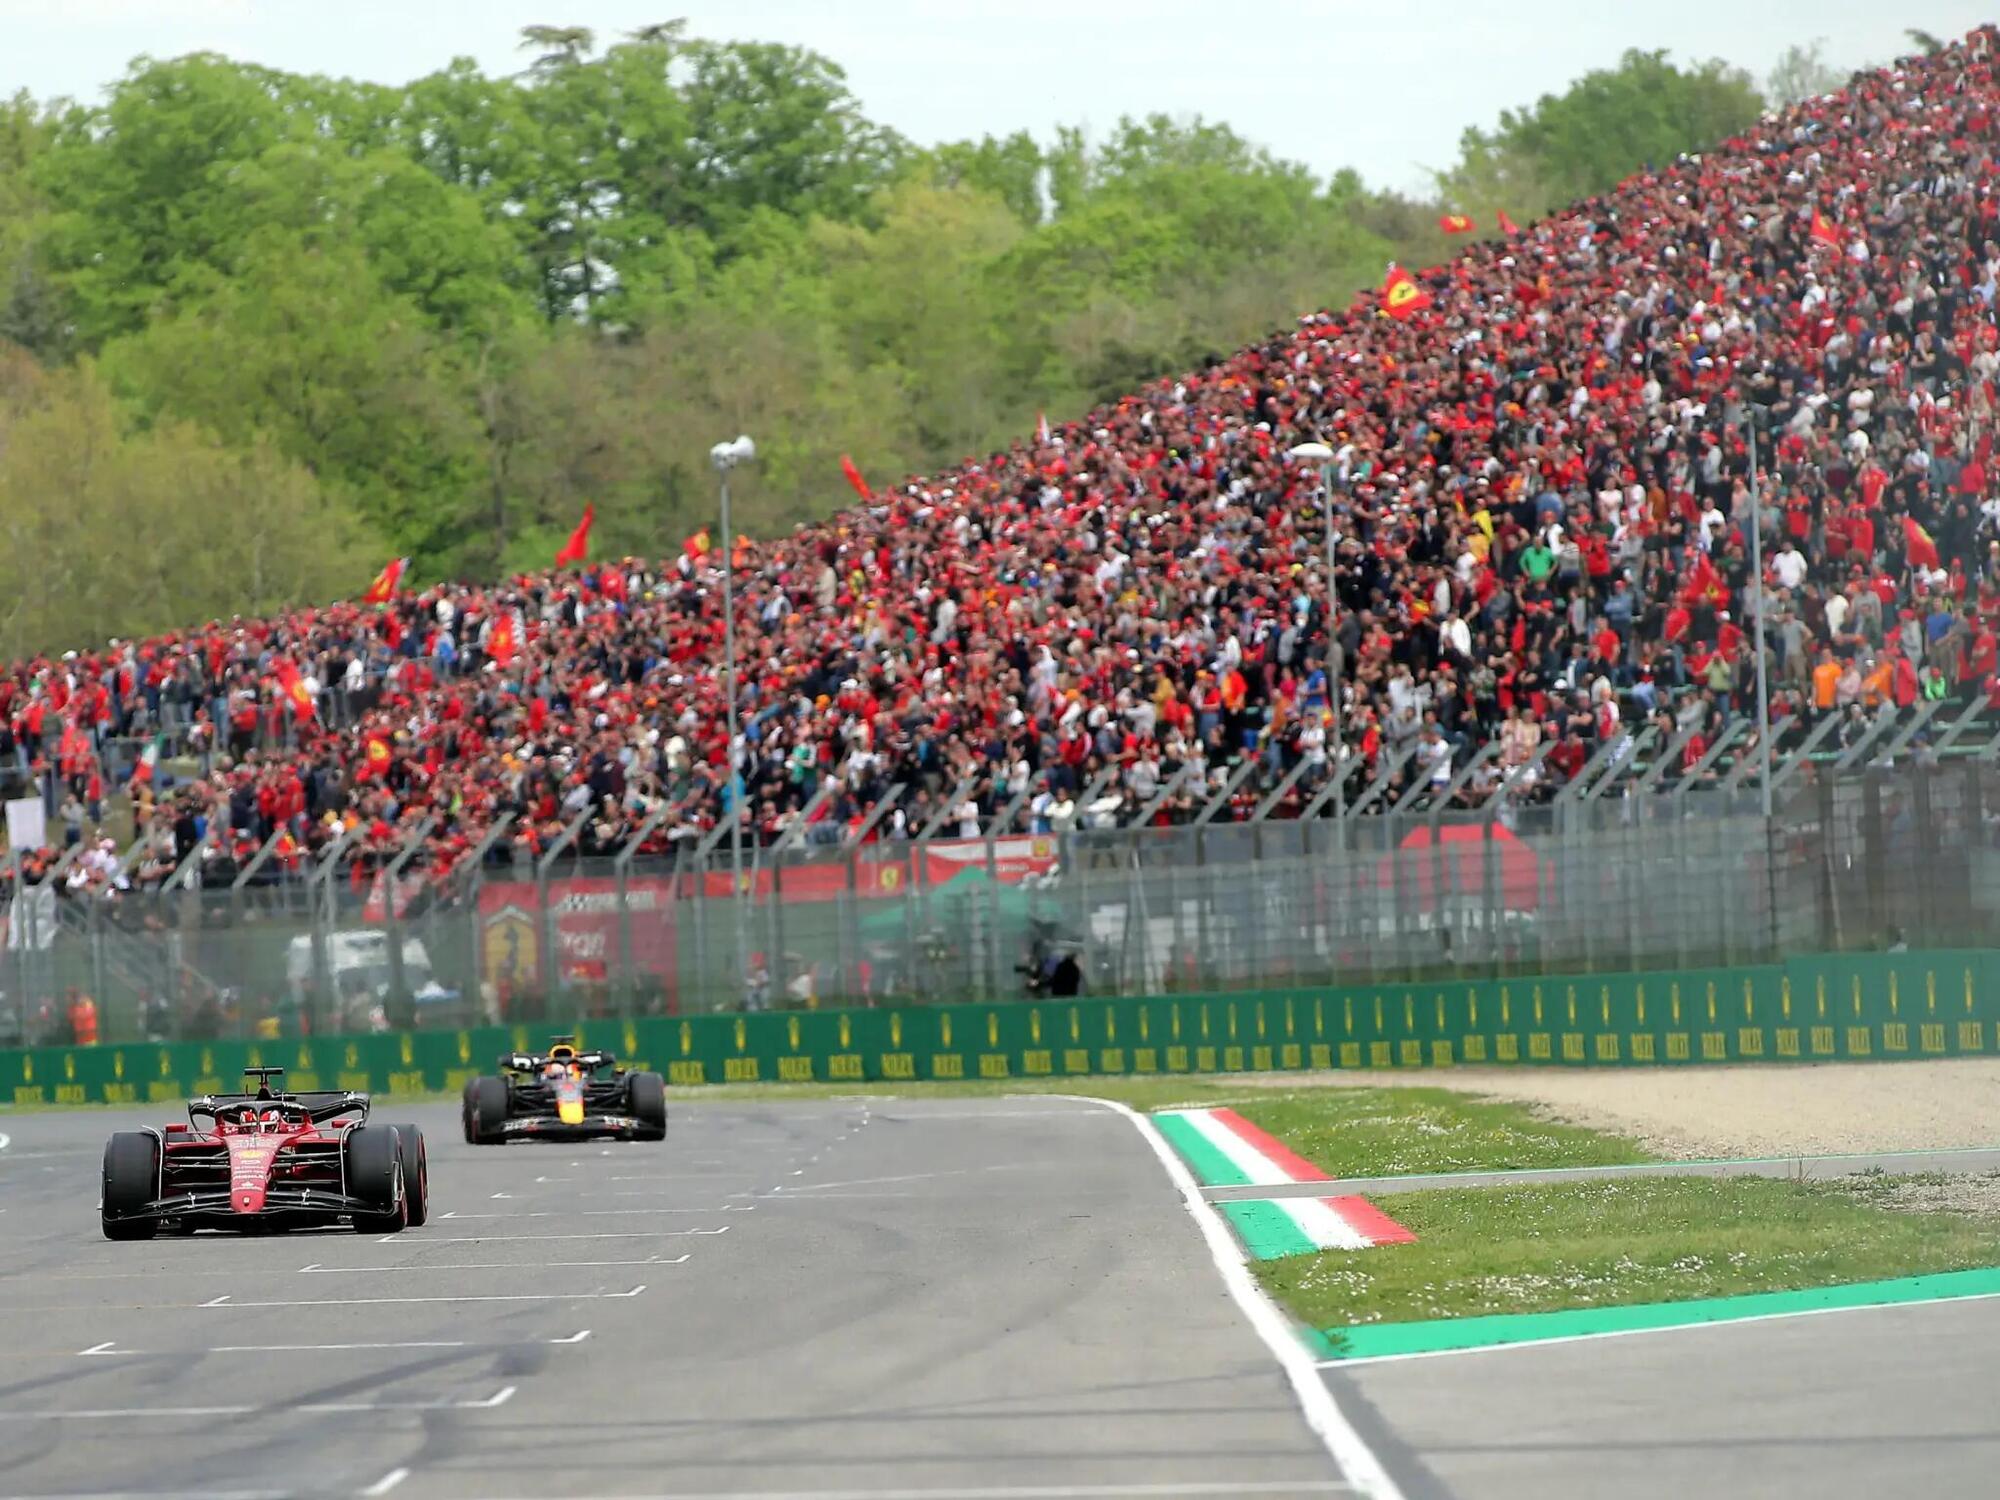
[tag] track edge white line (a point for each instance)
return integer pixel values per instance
(1323, 1415)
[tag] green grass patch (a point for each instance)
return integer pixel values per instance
(1371, 1132)
(1619, 1241)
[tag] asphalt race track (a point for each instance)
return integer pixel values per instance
(1861, 1405)
(952, 1299)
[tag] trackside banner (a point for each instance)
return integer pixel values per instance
(1838, 1007)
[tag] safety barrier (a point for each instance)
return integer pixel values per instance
(1827, 1008)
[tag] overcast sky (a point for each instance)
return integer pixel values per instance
(1381, 85)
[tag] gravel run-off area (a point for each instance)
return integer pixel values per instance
(1802, 1109)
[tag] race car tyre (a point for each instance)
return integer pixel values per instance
(489, 1110)
(374, 1163)
(416, 1174)
(468, 1114)
(646, 1098)
(131, 1181)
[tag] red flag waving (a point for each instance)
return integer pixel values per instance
(577, 548)
(854, 477)
(374, 756)
(1455, 224)
(297, 694)
(503, 642)
(1507, 225)
(1823, 230)
(1918, 548)
(1401, 295)
(383, 589)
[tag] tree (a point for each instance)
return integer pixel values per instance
(156, 528)
(1926, 42)
(1612, 122)
(1801, 73)
(132, 184)
(302, 347)
(771, 126)
(1011, 169)
(560, 46)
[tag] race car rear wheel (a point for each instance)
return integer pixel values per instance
(374, 1161)
(131, 1182)
(489, 1110)
(646, 1098)
(416, 1174)
(468, 1112)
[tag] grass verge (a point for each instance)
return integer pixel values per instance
(1617, 1242)
(1393, 1132)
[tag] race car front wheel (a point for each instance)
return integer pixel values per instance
(646, 1097)
(131, 1182)
(375, 1176)
(416, 1173)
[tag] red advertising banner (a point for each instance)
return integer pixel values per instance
(512, 930)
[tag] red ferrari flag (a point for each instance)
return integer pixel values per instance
(1918, 548)
(1455, 224)
(374, 756)
(383, 589)
(1823, 230)
(503, 641)
(297, 694)
(577, 548)
(1401, 295)
(854, 477)
(1507, 225)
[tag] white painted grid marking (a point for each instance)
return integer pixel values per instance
(317, 1408)
(491, 1265)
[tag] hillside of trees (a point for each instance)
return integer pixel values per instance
(260, 330)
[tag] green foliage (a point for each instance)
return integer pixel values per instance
(1610, 122)
(155, 527)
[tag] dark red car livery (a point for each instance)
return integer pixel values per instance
(262, 1160)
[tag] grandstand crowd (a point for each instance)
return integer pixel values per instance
(1541, 491)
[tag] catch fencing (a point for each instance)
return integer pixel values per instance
(1643, 875)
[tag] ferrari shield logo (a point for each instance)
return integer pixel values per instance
(508, 949)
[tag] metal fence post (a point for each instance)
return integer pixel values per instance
(551, 968)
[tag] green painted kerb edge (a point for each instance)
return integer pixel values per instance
(1833, 1008)
(1267, 1231)
(1209, 1165)
(1442, 1335)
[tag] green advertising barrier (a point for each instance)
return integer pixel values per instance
(1837, 1007)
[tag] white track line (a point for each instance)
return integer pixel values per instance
(516, 1239)
(582, 1213)
(490, 1265)
(385, 1484)
(111, 1349)
(1322, 1413)
(1195, 1491)
(499, 1398)
(387, 1301)
(4, 1141)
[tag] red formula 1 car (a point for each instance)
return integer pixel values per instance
(263, 1160)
